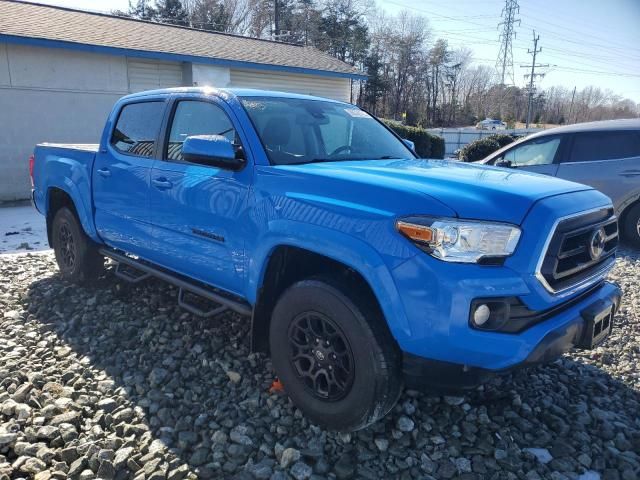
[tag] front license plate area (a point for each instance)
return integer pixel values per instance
(598, 320)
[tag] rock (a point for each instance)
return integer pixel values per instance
(33, 466)
(453, 401)
(289, 456)
(7, 438)
(108, 405)
(106, 469)
(344, 467)
(463, 465)
(67, 417)
(235, 377)
(382, 444)
(199, 457)
(589, 475)
(405, 424)
(48, 432)
(239, 435)
(121, 457)
(542, 454)
(124, 415)
(22, 411)
(301, 471)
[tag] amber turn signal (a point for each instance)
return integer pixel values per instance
(417, 233)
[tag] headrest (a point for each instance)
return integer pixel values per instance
(277, 132)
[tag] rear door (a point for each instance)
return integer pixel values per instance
(538, 155)
(196, 210)
(608, 161)
(121, 177)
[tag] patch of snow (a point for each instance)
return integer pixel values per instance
(22, 230)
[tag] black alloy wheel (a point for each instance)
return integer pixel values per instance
(321, 355)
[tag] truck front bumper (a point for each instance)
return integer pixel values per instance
(573, 327)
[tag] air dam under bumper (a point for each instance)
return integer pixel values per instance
(426, 374)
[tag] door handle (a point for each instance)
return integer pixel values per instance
(161, 183)
(104, 172)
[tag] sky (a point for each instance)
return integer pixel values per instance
(584, 42)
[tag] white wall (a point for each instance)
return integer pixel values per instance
(330, 87)
(51, 95)
(56, 95)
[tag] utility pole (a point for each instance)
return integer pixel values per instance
(276, 19)
(504, 63)
(533, 73)
(573, 96)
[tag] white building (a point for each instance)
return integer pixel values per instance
(61, 70)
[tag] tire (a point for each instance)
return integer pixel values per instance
(631, 227)
(340, 398)
(78, 259)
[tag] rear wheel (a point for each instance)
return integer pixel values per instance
(631, 227)
(335, 358)
(77, 258)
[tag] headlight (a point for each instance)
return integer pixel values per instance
(463, 241)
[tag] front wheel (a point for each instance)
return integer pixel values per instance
(631, 227)
(334, 356)
(77, 257)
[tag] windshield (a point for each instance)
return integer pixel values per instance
(302, 131)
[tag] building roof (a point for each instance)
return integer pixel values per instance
(44, 25)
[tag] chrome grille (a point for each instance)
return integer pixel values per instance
(580, 248)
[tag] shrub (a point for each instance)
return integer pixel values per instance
(502, 139)
(478, 150)
(427, 145)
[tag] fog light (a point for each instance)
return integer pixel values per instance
(481, 315)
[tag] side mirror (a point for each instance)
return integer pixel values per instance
(503, 163)
(409, 144)
(214, 150)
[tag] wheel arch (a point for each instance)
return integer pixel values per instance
(287, 264)
(61, 196)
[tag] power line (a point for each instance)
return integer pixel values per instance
(504, 64)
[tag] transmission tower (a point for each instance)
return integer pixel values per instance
(504, 64)
(531, 76)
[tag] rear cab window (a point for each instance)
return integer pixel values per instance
(605, 145)
(137, 128)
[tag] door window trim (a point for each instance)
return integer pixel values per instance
(154, 155)
(165, 130)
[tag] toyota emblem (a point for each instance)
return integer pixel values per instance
(596, 244)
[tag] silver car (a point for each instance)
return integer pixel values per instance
(604, 155)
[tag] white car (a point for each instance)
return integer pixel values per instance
(490, 124)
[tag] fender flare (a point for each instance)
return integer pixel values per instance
(83, 211)
(340, 247)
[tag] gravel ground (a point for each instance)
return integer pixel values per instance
(115, 381)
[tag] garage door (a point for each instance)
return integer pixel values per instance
(147, 75)
(330, 87)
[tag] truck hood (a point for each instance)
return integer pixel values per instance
(473, 191)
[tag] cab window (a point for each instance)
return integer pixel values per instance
(539, 151)
(137, 128)
(193, 117)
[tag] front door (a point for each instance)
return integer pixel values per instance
(196, 210)
(121, 178)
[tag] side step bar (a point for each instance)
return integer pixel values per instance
(134, 270)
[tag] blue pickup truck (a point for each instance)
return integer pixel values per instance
(361, 267)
